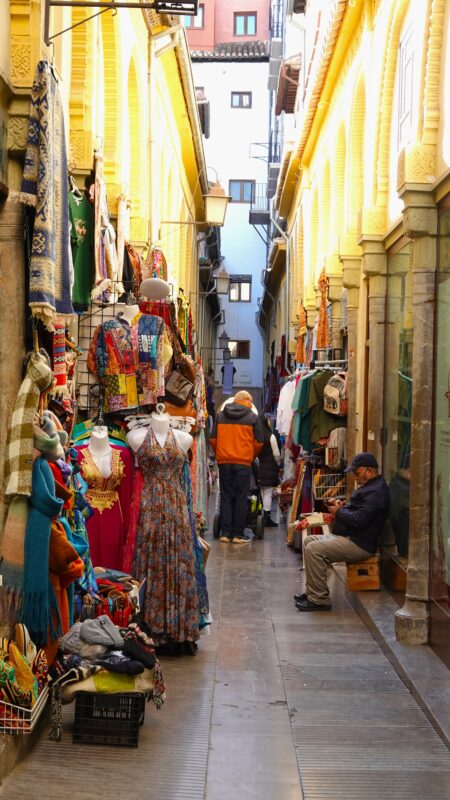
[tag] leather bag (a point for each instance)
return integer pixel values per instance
(178, 389)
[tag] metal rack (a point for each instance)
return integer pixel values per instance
(328, 485)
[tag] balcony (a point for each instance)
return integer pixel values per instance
(259, 213)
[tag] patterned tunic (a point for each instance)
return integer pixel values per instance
(129, 361)
(164, 552)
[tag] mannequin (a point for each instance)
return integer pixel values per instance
(160, 424)
(101, 450)
(163, 552)
(126, 312)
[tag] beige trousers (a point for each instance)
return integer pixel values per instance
(318, 553)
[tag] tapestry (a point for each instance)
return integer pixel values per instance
(45, 188)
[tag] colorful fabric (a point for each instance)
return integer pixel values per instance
(123, 231)
(39, 602)
(156, 264)
(129, 361)
(128, 551)
(200, 576)
(82, 244)
(12, 544)
(44, 187)
(109, 499)
(164, 553)
(19, 459)
(59, 358)
(323, 327)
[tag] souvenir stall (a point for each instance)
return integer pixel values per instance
(102, 564)
(312, 415)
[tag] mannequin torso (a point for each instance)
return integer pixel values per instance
(127, 313)
(159, 423)
(100, 449)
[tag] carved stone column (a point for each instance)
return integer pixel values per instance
(420, 225)
(374, 266)
(351, 281)
(334, 296)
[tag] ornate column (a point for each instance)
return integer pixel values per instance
(420, 225)
(351, 280)
(374, 266)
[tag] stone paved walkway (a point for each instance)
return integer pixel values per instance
(277, 704)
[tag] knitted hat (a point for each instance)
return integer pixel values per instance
(49, 445)
(101, 631)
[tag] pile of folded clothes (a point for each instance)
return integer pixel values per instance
(98, 656)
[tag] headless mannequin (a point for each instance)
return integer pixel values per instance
(126, 312)
(100, 449)
(159, 423)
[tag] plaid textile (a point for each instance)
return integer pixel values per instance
(19, 452)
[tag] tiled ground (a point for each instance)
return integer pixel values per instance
(277, 705)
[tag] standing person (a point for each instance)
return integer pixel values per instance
(236, 439)
(356, 530)
(269, 461)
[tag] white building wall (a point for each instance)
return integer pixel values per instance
(228, 151)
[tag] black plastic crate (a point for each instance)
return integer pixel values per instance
(108, 718)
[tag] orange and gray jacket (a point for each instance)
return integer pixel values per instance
(236, 437)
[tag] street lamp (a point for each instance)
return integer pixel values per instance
(216, 203)
(223, 340)
(222, 281)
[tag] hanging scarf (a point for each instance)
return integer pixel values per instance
(300, 354)
(19, 460)
(323, 327)
(40, 609)
(45, 188)
(59, 360)
(100, 292)
(12, 552)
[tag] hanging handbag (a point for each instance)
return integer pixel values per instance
(178, 390)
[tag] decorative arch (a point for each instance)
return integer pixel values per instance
(338, 188)
(112, 92)
(433, 69)
(314, 267)
(136, 157)
(355, 186)
(324, 215)
(81, 91)
(382, 143)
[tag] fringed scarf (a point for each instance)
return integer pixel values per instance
(40, 610)
(300, 354)
(19, 453)
(45, 188)
(323, 327)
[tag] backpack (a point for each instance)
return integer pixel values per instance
(335, 395)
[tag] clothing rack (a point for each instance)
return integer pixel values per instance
(339, 364)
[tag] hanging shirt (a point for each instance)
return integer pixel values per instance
(302, 420)
(128, 360)
(322, 422)
(284, 410)
(82, 246)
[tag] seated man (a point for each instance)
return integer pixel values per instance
(356, 527)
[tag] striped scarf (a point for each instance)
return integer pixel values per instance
(19, 452)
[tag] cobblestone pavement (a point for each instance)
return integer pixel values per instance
(277, 704)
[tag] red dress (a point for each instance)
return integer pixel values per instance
(110, 500)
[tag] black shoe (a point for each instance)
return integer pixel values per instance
(299, 598)
(306, 605)
(268, 521)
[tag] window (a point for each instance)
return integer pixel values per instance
(245, 24)
(195, 22)
(241, 99)
(240, 290)
(240, 348)
(242, 191)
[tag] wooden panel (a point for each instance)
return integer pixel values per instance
(364, 576)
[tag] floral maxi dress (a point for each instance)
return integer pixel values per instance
(163, 551)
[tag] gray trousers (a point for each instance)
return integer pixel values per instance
(318, 553)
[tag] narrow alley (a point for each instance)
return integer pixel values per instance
(277, 704)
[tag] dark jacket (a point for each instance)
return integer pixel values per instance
(268, 467)
(363, 517)
(236, 437)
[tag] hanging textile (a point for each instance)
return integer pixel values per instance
(82, 244)
(300, 353)
(323, 328)
(123, 231)
(45, 188)
(155, 264)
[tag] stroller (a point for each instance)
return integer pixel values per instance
(255, 514)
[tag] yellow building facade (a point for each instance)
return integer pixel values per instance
(129, 101)
(361, 188)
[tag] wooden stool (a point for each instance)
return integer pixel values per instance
(365, 575)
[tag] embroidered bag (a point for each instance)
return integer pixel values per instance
(335, 395)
